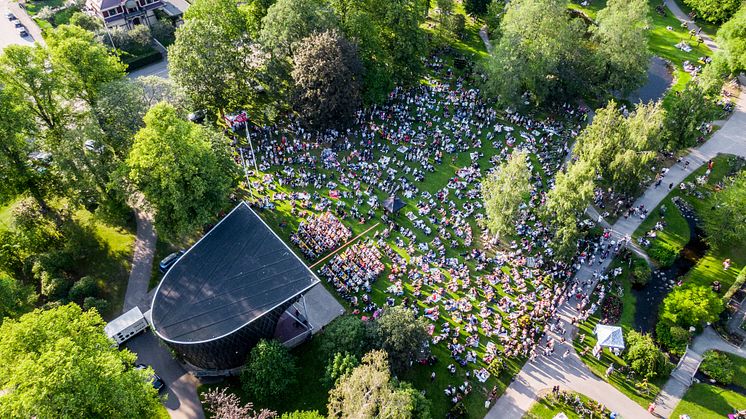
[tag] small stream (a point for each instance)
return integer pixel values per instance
(650, 297)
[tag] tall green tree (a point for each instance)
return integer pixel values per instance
(401, 335)
(59, 363)
(391, 42)
(726, 223)
(289, 21)
(714, 11)
(17, 173)
(270, 370)
(184, 171)
(732, 38)
(215, 60)
(327, 74)
(643, 356)
(691, 306)
(566, 202)
(623, 54)
(620, 148)
(367, 392)
(688, 110)
(503, 192)
(541, 51)
(84, 64)
(476, 7)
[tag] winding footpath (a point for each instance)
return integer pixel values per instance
(571, 373)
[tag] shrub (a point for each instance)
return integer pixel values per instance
(345, 334)
(714, 11)
(717, 366)
(673, 338)
(663, 253)
(640, 275)
(691, 306)
(98, 303)
(644, 357)
(340, 365)
(83, 288)
(269, 371)
(163, 31)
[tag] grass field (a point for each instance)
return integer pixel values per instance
(704, 401)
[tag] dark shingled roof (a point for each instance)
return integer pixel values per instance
(236, 273)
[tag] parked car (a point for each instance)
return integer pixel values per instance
(158, 384)
(19, 24)
(10, 16)
(169, 261)
(22, 31)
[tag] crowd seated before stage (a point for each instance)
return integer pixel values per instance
(318, 234)
(432, 144)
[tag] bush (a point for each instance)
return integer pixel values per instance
(691, 306)
(163, 31)
(671, 337)
(717, 366)
(345, 334)
(663, 253)
(270, 370)
(98, 303)
(83, 288)
(644, 357)
(640, 275)
(339, 366)
(85, 21)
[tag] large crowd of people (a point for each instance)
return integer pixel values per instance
(431, 145)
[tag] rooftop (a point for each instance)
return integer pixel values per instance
(232, 276)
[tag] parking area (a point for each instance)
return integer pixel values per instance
(9, 33)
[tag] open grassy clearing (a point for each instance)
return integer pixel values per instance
(704, 401)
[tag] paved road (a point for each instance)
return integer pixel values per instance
(142, 260)
(676, 10)
(571, 373)
(159, 69)
(181, 387)
(8, 33)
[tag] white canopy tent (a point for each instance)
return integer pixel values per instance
(609, 336)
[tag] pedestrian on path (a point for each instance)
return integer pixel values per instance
(651, 407)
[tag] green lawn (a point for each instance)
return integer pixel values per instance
(704, 401)
(549, 406)
(34, 6)
(739, 365)
(676, 232)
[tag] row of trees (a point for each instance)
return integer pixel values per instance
(359, 357)
(76, 133)
(321, 57)
(553, 56)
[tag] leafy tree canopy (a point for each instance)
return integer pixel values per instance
(691, 306)
(269, 372)
(503, 191)
(59, 363)
(183, 169)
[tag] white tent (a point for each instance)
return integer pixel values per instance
(609, 336)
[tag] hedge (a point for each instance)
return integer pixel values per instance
(142, 60)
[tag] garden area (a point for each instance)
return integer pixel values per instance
(573, 405)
